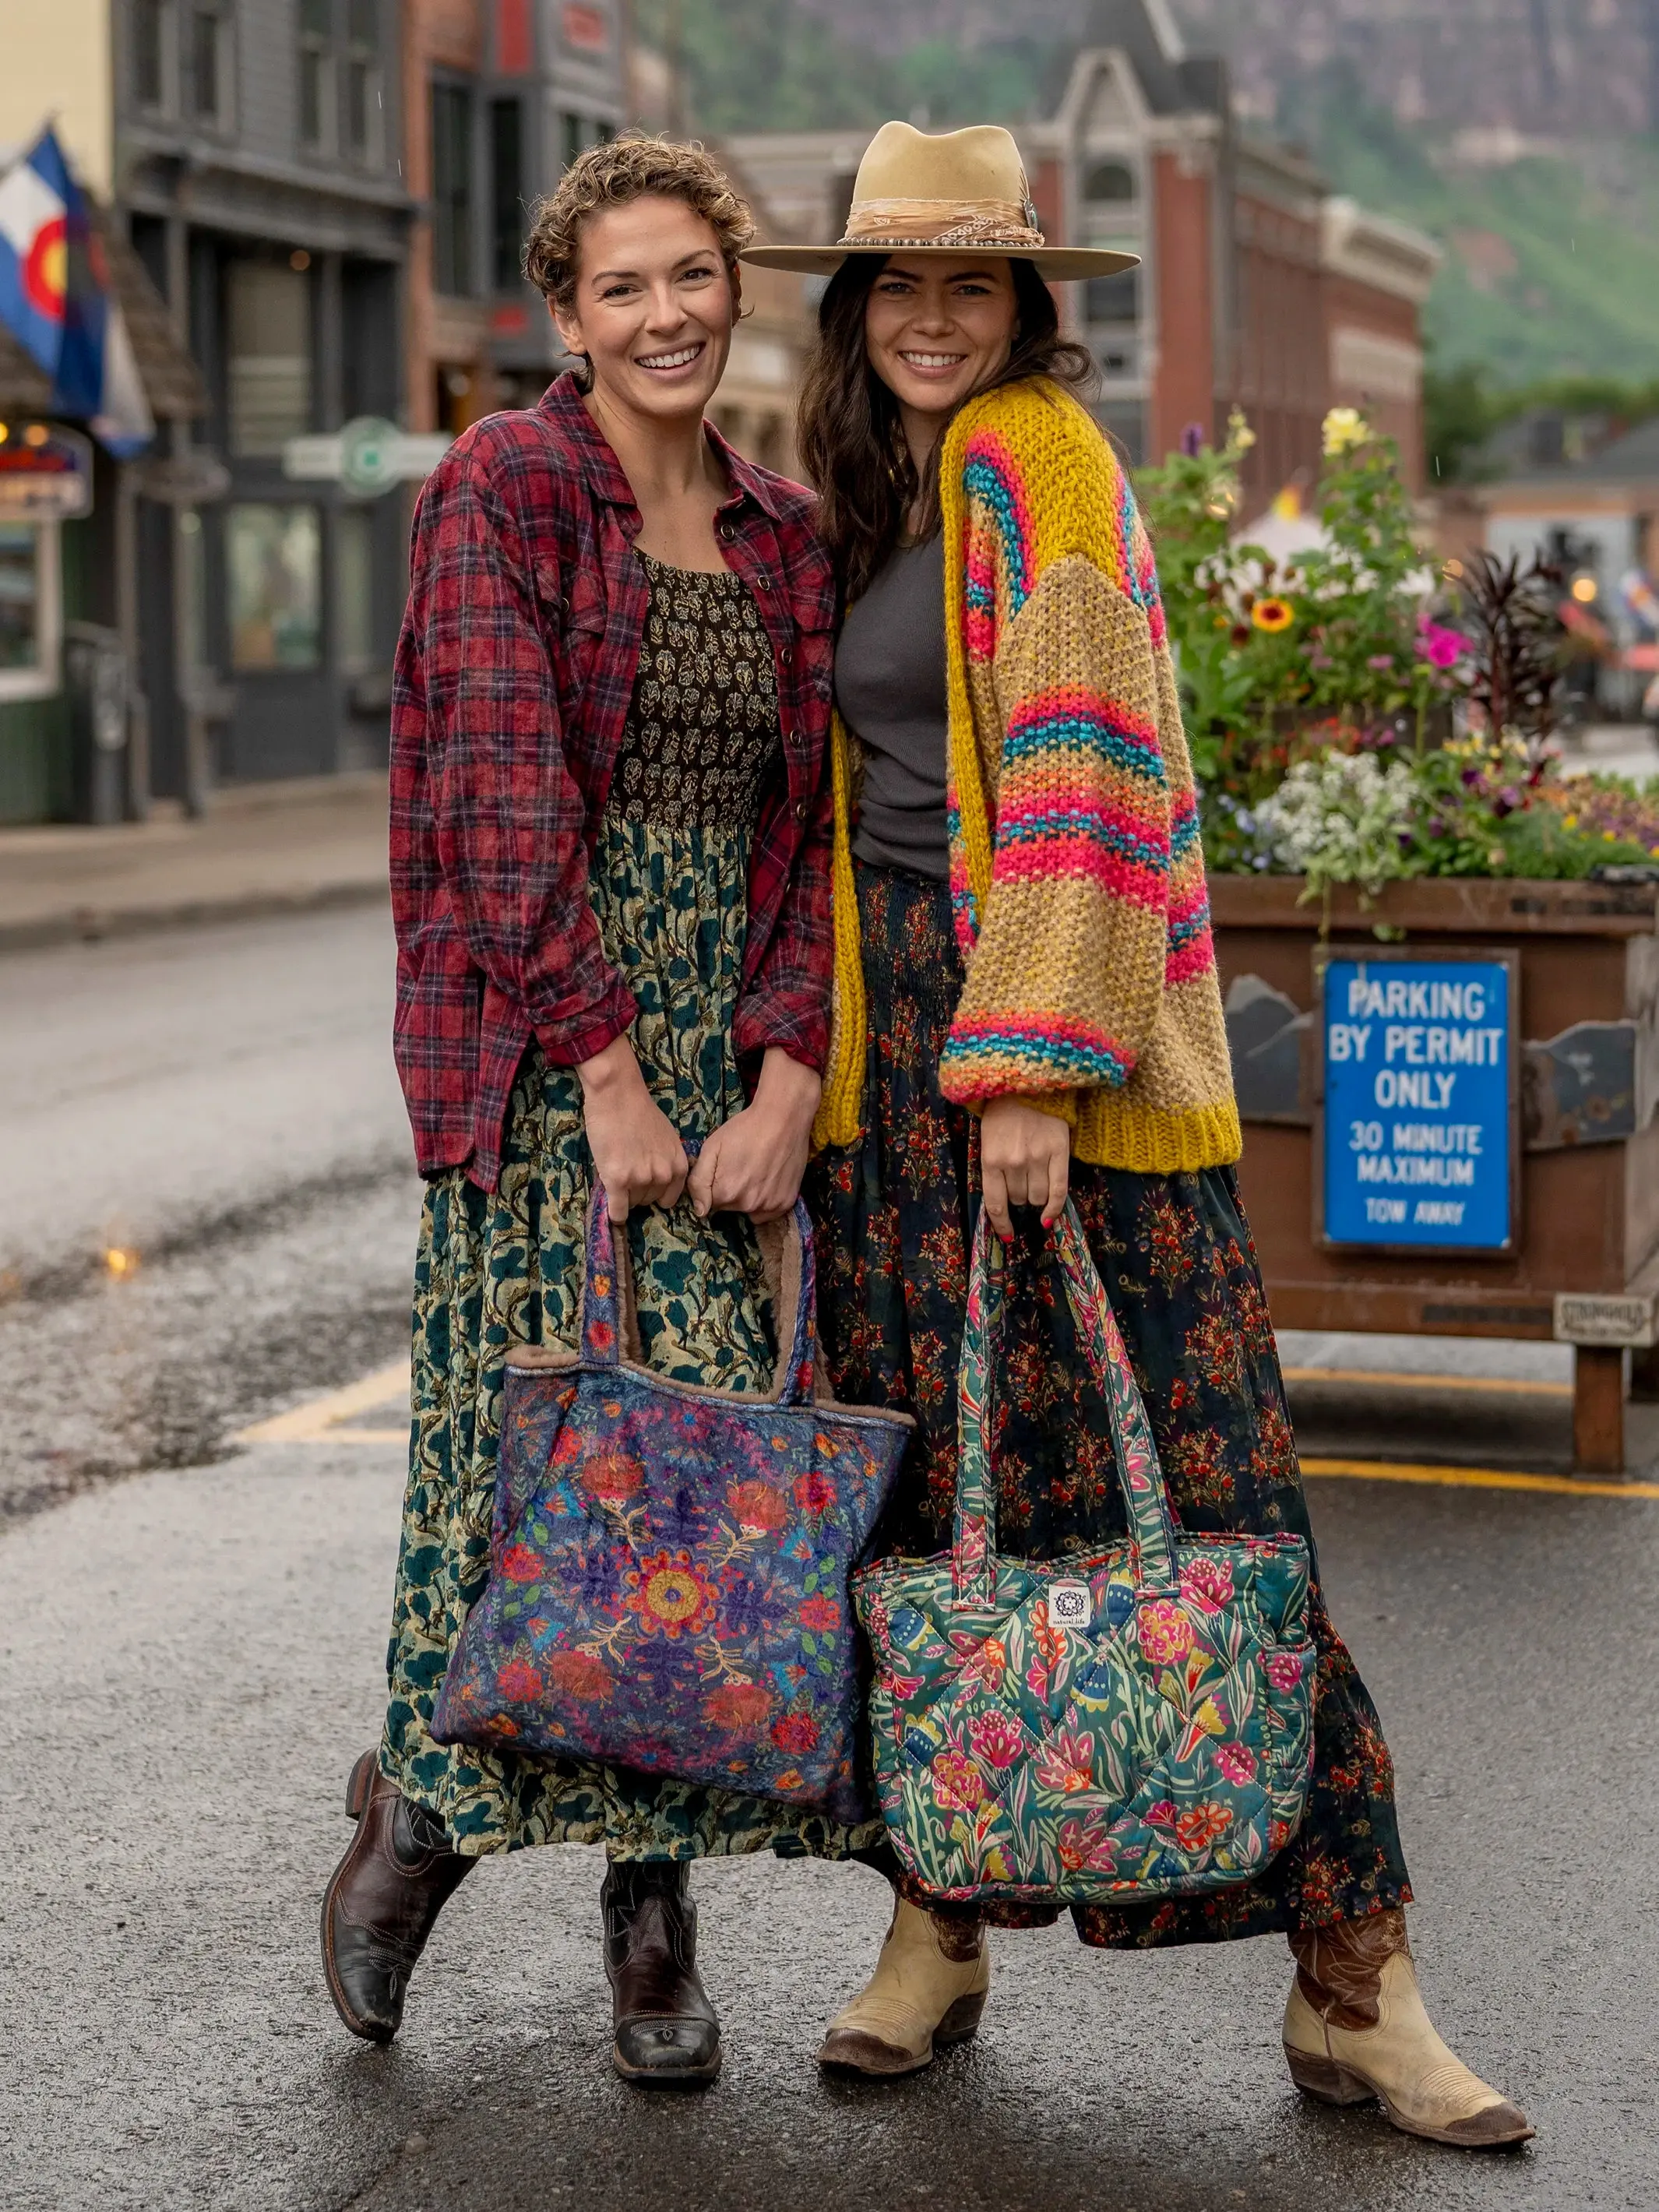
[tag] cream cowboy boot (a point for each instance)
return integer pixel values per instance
(928, 1990)
(1355, 2028)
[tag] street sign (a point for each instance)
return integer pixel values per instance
(45, 473)
(367, 457)
(1418, 1122)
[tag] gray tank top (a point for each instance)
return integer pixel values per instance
(890, 688)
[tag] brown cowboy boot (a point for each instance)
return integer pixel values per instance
(383, 1900)
(928, 1990)
(665, 2030)
(1355, 2028)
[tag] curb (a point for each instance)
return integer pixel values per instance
(88, 924)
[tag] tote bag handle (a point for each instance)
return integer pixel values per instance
(610, 1319)
(1146, 1502)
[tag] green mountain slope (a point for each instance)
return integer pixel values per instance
(1552, 264)
(1550, 270)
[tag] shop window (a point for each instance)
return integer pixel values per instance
(1125, 421)
(452, 189)
(1112, 299)
(273, 556)
(1109, 180)
(29, 611)
(353, 589)
(507, 191)
(578, 132)
(269, 366)
(460, 398)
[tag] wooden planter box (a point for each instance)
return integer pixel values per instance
(1589, 1212)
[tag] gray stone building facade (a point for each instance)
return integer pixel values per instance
(259, 167)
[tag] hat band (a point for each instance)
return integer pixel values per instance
(1009, 225)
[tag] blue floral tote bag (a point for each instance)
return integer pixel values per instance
(1132, 1723)
(669, 1564)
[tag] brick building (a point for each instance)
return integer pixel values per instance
(500, 95)
(1257, 287)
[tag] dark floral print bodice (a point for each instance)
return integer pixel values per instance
(702, 734)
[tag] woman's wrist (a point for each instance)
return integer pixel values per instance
(614, 1069)
(788, 1086)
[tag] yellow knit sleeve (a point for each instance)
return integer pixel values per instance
(1055, 748)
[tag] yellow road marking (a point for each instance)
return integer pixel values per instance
(1518, 1386)
(318, 1421)
(1476, 1478)
(322, 1421)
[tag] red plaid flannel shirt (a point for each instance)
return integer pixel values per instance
(514, 670)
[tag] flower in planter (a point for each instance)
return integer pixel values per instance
(1272, 614)
(1344, 428)
(1442, 646)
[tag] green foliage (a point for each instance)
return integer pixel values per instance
(1463, 407)
(770, 65)
(1321, 692)
(1582, 295)
(1277, 658)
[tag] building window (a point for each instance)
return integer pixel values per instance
(1112, 299)
(573, 131)
(317, 75)
(507, 191)
(150, 29)
(1109, 180)
(273, 557)
(365, 95)
(30, 613)
(206, 50)
(269, 355)
(452, 189)
(1125, 421)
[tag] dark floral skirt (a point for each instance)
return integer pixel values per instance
(894, 1216)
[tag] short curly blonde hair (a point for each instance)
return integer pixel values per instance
(609, 176)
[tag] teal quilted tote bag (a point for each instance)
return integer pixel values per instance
(1131, 1723)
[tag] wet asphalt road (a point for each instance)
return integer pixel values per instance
(190, 1656)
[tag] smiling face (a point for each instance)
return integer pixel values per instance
(653, 308)
(936, 330)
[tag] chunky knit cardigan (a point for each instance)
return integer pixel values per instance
(1077, 879)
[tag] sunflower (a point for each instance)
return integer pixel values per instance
(1272, 614)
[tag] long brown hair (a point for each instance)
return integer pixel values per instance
(849, 434)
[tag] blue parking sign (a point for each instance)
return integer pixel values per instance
(1418, 1102)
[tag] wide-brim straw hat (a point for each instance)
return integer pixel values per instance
(943, 193)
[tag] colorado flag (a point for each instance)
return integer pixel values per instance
(55, 299)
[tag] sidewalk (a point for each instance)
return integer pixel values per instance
(264, 849)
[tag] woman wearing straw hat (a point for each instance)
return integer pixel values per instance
(1023, 953)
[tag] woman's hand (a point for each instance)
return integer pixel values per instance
(753, 1163)
(1024, 1159)
(637, 1152)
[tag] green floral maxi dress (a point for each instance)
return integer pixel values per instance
(494, 1269)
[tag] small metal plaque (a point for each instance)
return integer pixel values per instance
(1580, 1319)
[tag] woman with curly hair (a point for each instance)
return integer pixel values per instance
(1026, 1004)
(610, 889)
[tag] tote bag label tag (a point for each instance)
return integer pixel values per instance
(1070, 1605)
